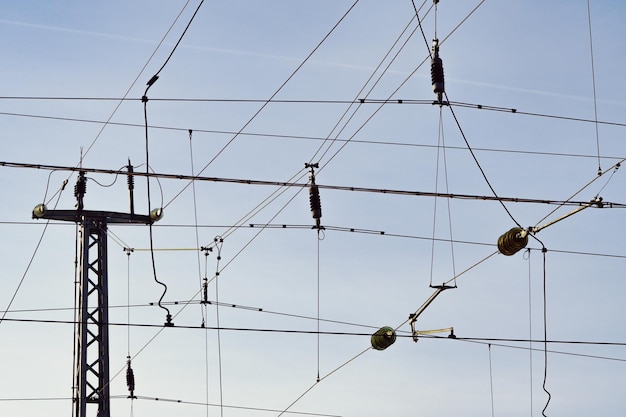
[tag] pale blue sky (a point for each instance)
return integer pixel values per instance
(531, 56)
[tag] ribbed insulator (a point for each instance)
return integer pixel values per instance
(130, 178)
(80, 188)
(130, 379)
(383, 338)
(512, 241)
(436, 74)
(316, 204)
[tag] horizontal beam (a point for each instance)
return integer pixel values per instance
(104, 216)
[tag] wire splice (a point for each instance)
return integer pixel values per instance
(314, 195)
(436, 73)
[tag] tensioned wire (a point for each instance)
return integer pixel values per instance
(367, 82)
(266, 103)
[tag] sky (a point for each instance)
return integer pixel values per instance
(252, 92)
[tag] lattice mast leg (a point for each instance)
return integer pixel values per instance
(91, 368)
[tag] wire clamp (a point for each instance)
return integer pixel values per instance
(415, 333)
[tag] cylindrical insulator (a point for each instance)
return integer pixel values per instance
(383, 338)
(512, 241)
(130, 379)
(436, 74)
(316, 204)
(130, 178)
(81, 186)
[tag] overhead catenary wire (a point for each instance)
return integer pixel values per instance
(346, 115)
(267, 102)
(321, 186)
(120, 101)
(480, 168)
(521, 340)
(340, 229)
(394, 92)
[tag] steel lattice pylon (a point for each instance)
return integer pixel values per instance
(91, 365)
(91, 368)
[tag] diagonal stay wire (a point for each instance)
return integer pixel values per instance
(134, 82)
(32, 258)
(268, 101)
(419, 22)
(374, 113)
(249, 242)
(356, 99)
(249, 214)
(458, 124)
(369, 348)
(403, 82)
(279, 191)
(321, 379)
(614, 167)
(593, 80)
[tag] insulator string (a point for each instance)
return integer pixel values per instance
(130, 379)
(436, 73)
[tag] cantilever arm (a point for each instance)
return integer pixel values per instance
(597, 201)
(413, 317)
